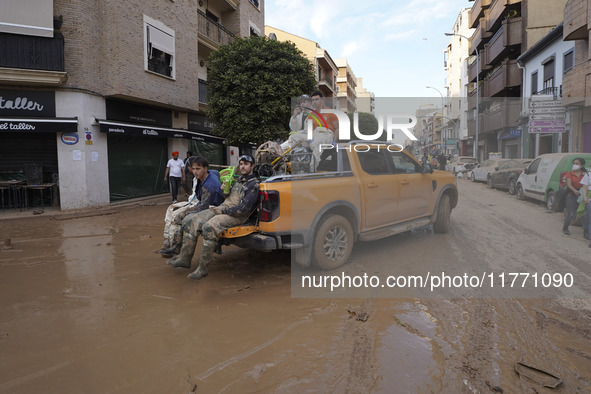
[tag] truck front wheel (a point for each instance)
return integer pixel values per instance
(333, 243)
(441, 224)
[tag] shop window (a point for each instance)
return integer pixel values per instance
(159, 41)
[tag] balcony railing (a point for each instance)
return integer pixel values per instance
(477, 11)
(202, 91)
(508, 35)
(554, 91)
(502, 115)
(213, 30)
(505, 76)
(30, 52)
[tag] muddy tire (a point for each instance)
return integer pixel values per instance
(511, 186)
(551, 201)
(473, 178)
(489, 182)
(441, 224)
(519, 192)
(333, 243)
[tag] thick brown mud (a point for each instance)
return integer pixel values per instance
(87, 307)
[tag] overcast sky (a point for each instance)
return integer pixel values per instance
(396, 46)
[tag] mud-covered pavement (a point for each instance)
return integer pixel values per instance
(86, 307)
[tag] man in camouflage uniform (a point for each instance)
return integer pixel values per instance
(241, 202)
(207, 191)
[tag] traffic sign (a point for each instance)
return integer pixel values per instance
(535, 130)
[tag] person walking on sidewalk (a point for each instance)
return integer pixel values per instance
(573, 185)
(175, 174)
(241, 202)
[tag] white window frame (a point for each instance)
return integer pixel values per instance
(158, 35)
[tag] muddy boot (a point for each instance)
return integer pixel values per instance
(565, 230)
(175, 237)
(165, 245)
(206, 257)
(183, 260)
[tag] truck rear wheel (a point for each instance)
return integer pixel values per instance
(441, 224)
(333, 242)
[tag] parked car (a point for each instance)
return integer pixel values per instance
(481, 172)
(461, 164)
(541, 179)
(505, 177)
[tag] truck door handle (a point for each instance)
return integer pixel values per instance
(372, 185)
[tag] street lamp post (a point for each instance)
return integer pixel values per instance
(442, 106)
(477, 93)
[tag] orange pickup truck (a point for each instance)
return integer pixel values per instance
(358, 192)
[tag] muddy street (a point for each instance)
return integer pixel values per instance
(87, 307)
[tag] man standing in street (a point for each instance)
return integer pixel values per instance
(241, 202)
(175, 168)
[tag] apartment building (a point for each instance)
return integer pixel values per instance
(346, 87)
(325, 69)
(365, 100)
(504, 29)
(455, 135)
(98, 94)
(544, 65)
(576, 84)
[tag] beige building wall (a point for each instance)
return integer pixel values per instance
(542, 16)
(347, 83)
(107, 54)
(365, 100)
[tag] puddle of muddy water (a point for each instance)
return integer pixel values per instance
(406, 354)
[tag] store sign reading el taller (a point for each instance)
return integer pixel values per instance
(27, 103)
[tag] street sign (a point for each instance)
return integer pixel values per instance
(553, 103)
(545, 129)
(547, 110)
(558, 116)
(546, 123)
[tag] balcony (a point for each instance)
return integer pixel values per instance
(497, 12)
(472, 95)
(501, 115)
(31, 52)
(473, 68)
(575, 20)
(211, 33)
(508, 35)
(477, 11)
(479, 37)
(31, 60)
(507, 75)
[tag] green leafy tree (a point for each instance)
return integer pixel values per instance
(368, 125)
(250, 85)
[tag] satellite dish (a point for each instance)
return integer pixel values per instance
(273, 37)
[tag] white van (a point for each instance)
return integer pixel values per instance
(541, 179)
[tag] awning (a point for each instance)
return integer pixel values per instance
(107, 126)
(38, 125)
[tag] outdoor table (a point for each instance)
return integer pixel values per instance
(41, 188)
(14, 188)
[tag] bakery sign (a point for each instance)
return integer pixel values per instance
(27, 103)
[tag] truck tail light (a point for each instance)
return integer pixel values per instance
(268, 205)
